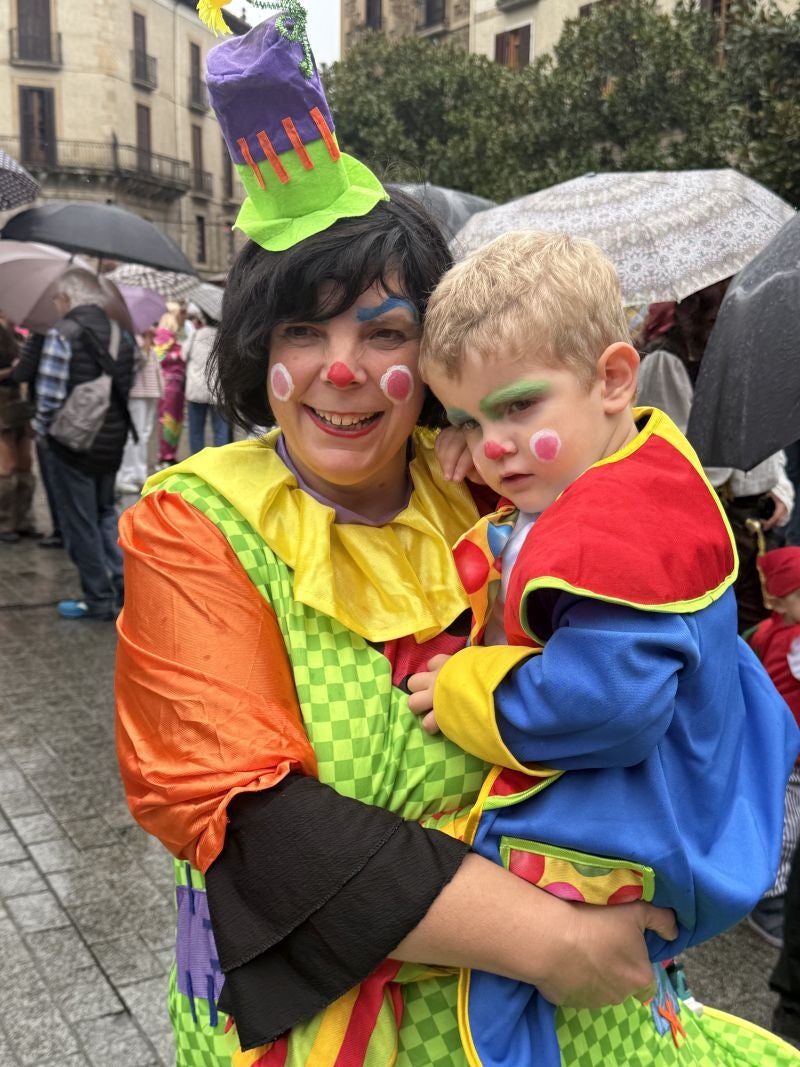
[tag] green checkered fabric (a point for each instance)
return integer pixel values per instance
(197, 1044)
(366, 742)
(625, 1034)
(429, 1032)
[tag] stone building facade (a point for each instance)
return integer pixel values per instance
(105, 100)
(441, 20)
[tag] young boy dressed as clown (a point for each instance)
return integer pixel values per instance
(629, 726)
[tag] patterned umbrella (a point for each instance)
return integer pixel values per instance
(669, 233)
(208, 298)
(167, 283)
(17, 187)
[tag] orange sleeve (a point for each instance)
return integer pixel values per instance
(206, 703)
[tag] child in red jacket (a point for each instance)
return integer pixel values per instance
(776, 641)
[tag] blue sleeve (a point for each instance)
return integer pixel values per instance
(602, 693)
(52, 380)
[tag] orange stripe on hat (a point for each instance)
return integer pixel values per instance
(365, 1014)
(272, 156)
(242, 143)
(297, 144)
(327, 136)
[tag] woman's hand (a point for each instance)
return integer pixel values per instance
(421, 686)
(454, 457)
(580, 955)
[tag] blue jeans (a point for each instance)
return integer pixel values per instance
(88, 517)
(220, 428)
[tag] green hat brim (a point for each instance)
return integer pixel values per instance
(277, 234)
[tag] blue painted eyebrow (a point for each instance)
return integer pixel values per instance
(389, 304)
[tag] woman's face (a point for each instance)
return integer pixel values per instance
(346, 394)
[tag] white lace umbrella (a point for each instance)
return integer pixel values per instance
(669, 233)
(17, 187)
(169, 284)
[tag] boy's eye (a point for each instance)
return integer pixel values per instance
(465, 424)
(520, 405)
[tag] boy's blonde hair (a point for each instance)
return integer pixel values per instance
(545, 294)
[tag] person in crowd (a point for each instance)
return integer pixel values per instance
(764, 494)
(146, 391)
(280, 592)
(776, 641)
(169, 351)
(525, 344)
(17, 481)
(76, 351)
(785, 977)
(200, 399)
(24, 373)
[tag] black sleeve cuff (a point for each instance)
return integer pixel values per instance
(311, 892)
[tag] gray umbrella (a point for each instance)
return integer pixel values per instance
(450, 207)
(747, 397)
(17, 187)
(668, 233)
(100, 230)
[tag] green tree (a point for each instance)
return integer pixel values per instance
(417, 111)
(629, 88)
(762, 50)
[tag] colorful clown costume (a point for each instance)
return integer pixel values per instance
(641, 750)
(181, 767)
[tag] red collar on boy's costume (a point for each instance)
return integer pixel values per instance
(642, 527)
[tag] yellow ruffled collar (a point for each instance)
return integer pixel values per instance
(380, 582)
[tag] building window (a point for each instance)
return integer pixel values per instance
(143, 66)
(434, 12)
(512, 49)
(374, 17)
(143, 146)
(586, 10)
(227, 172)
(200, 238)
(198, 98)
(34, 40)
(37, 125)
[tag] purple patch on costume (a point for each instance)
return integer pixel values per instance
(254, 82)
(198, 972)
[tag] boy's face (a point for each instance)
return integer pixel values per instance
(532, 427)
(788, 606)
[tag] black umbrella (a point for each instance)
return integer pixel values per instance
(450, 207)
(747, 397)
(17, 187)
(99, 229)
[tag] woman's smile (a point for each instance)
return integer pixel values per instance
(344, 424)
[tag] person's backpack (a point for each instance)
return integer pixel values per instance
(78, 420)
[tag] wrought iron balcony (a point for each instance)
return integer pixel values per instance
(144, 70)
(61, 164)
(35, 49)
(198, 94)
(202, 183)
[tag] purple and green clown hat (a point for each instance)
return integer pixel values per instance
(267, 94)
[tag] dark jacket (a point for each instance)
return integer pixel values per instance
(88, 330)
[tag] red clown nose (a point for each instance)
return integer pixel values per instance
(340, 375)
(493, 450)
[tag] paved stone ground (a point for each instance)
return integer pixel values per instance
(86, 898)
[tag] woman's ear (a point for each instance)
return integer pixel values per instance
(618, 370)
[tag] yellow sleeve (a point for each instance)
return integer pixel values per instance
(463, 699)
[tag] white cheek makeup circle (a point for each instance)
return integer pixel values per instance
(397, 383)
(545, 445)
(281, 381)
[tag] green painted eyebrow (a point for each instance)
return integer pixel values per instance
(457, 417)
(493, 404)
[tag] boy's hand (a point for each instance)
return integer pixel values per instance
(421, 688)
(454, 457)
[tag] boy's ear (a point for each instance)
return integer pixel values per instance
(618, 369)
